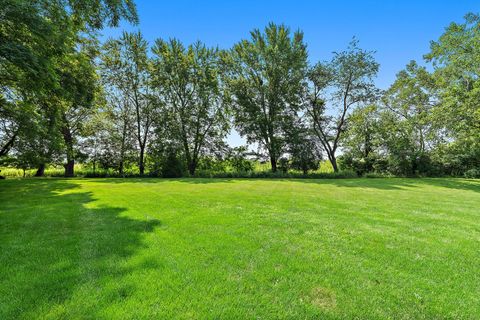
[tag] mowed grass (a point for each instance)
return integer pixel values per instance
(240, 249)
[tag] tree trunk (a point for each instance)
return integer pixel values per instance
(120, 168)
(333, 160)
(4, 150)
(40, 170)
(273, 162)
(141, 164)
(70, 165)
(192, 166)
(69, 168)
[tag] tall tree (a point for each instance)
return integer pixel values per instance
(34, 36)
(345, 82)
(411, 98)
(188, 85)
(29, 42)
(125, 66)
(456, 62)
(113, 134)
(77, 100)
(361, 143)
(265, 77)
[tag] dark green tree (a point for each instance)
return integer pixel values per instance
(361, 141)
(265, 77)
(456, 61)
(303, 149)
(36, 40)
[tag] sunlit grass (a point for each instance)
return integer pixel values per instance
(239, 249)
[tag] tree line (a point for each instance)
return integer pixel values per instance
(166, 108)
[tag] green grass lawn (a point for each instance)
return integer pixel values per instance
(239, 249)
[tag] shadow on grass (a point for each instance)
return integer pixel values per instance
(374, 183)
(400, 183)
(52, 247)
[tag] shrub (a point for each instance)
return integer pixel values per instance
(276, 175)
(172, 166)
(472, 174)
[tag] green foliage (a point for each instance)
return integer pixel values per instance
(346, 81)
(305, 154)
(472, 173)
(188, 85)
(172, 166)
(456, 60)
(265, 78)
(125, 70)
(362, 140)
(237, 158)
(62, 102)
(47, 63)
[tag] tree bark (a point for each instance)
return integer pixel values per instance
(69, 168)
(141, 161)
(192, 166)
(333, 160)
(40, 170)
(273, 162)
(122, 148)
(7, 146)
(68, 139)
(120, 168)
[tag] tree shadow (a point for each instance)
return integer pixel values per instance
(396, 183)
(455, 183)
(365, 183)
(162, 180)
(52, 245)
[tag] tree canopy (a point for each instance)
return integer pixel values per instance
(130, 107)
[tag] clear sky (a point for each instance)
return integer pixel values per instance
(398, 31)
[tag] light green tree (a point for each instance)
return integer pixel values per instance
(125, 71)
(345, 83)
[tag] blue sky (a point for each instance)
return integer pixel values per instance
(398, 31)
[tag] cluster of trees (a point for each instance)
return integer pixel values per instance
(48, 76)
(427, 122)
(166, 108)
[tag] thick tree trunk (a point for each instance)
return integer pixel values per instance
(40, 170)
(69, 168)
(273, 162)
(192, 166)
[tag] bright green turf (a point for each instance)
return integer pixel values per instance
(239, 249)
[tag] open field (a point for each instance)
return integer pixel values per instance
(239, 249)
